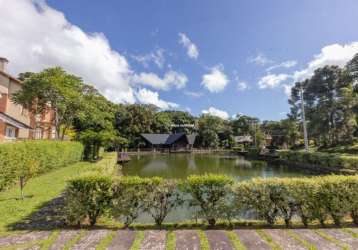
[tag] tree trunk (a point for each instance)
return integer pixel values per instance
(212, 222)
(63, 133)
(22, 185)
(57, 126)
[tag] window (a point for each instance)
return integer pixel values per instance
(38, 133)
(10, 132)
(53, 133)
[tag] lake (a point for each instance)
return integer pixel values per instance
(179, 166)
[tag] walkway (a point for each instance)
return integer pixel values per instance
(330, 239)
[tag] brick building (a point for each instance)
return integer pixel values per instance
(17, 122)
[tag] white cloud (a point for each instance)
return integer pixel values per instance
(191, 49)
(38, 36)
(193, 94)
(216, 80)
(260, 60)
(334, 54)
(286, 64)
(241, 86)
(287, 89)
(156, 57)
(146, 96)
(272, 80)
(216, 112)
(170, 79)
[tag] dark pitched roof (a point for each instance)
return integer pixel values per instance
(173, 138)
(156, 139)
(8, 119)
(167, 139)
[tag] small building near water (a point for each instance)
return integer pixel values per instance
(171, 142)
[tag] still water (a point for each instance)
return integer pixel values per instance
(179, 166)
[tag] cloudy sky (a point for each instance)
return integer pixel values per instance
(217, 57)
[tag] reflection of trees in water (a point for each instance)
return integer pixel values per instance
(182, 165)
(136, 164)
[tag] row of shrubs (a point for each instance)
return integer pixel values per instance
(23, 160)
(212, 197)
(328, 160)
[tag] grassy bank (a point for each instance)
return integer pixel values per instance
(321, 161)
(41, 190)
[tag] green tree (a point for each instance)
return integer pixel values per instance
(52, 88)
(162, 123)
(132, 120)
(209, 126)
(329, 103)
(284, 132)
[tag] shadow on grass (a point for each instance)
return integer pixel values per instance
(47, 216)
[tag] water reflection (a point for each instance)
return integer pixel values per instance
(182, 165)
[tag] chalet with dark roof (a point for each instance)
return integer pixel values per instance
(173, 142)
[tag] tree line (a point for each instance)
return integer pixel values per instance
(82, 113)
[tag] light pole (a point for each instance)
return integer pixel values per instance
(305, 137)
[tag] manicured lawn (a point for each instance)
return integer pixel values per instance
(39, 191)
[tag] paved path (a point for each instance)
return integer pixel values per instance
(292, 239)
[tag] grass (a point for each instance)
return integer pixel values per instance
(349, 231)
(139, 237)
(50, 240)
(104, 243)
(269, 240)
(38, 192)
(332, 239)
(234, 238)
(74, 240)
(303, 242)
(204, 243)
(170, 241)
(27, 245)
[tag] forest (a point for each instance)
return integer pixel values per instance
(82, 113)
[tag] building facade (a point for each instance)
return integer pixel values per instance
(16, 122)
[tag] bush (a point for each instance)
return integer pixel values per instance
(253, 152)
(209, 193)
(239, 148)
(303, 193)
(269, 199)
(214, 197)
(328, 160)
(129, 198)
(23, 160)
(317, 198)
(351, 184)
(88, 197)
(163, 197)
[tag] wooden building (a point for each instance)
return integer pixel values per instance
(171, 142)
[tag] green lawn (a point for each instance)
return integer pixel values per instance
(39, 191)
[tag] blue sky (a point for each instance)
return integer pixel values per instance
(221, 57)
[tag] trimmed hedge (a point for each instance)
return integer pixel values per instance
(208, 194)
(34, 158)
(327, 160)
(214, 197)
